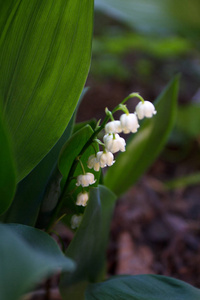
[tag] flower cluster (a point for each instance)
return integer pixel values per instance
(112, 143)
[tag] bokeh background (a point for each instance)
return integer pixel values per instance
(139, 46)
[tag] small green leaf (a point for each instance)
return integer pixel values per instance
(29, 255)
(144, 146)
(45, 51)
(7, 169)
(68, 167)
(71, 150)
(69, 153)
(142, 287)
(80, 125)
(88, 246)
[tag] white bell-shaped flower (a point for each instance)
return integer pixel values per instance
(105, 159)
(113, 127)
(93, 162)
(82, 199)
(129, 123)
(114, 143)
(145, 109)
(85, 180)
(75, 221)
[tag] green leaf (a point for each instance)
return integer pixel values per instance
(7, 169)
(142, 287)
(146, 144)
(71, 150)
(80, 125)
(88, 246)
(29, 255)
(188, 120)
(30, 190)
(45, 51)
(68, 154)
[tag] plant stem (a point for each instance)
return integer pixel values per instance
(82, 167)
(132, 95)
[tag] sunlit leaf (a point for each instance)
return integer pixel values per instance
(31, 190)
(45, 50)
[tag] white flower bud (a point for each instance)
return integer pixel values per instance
(75, 221)
(85, 180)
(145, 109)
(114, 143)
(93, 163)
(105, 159)
(129, 123)
(82, 199)
(113, 127)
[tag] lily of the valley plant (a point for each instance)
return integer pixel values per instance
(51, 168)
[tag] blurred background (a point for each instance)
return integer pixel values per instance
(139, 46)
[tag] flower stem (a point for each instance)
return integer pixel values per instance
(123, 108)
(82, 167)
(109, 113)
(132, 95)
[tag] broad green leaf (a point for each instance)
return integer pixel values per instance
(188, 119)
(7, 169)
(155, 16)
(142, 287)
(30, 190)
(88, 246)
(45, 50)
(28, 255)
(144, 146)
